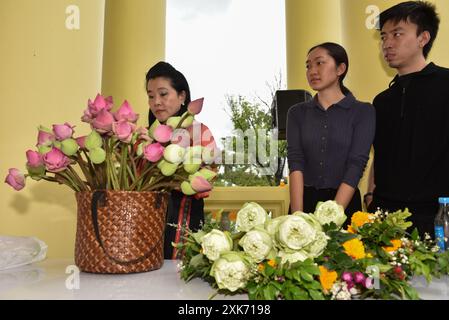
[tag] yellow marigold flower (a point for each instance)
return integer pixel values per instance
(369, 255)
(360, 218)
(272, 263)
(260, 267)
(355, 249)
(351, 229)
(327, 278)
(396, 245)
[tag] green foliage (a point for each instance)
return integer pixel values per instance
(297, 281)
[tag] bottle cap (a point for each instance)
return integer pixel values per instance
(443, 200)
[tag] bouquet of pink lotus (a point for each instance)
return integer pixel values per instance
(117, 155)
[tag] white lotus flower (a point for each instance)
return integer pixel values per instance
(251, 215)
(231, 271)
(216, 242)
(257, 243)
(330, 211)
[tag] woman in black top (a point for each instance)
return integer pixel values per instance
(168, 96)
(329, 137)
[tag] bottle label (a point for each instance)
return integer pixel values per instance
(439, 237)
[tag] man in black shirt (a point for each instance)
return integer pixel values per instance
(411, 145)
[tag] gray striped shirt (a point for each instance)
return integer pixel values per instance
(330, 146)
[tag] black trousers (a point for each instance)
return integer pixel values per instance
(312, 196)
(423, 214)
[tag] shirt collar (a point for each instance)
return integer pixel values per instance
(345, 103)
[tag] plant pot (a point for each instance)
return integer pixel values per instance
(120, 231)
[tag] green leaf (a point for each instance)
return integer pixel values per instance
(306, 276)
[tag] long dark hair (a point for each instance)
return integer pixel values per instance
(177, 81)
(338, 53)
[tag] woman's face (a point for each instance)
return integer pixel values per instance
(322, 72)
(163, 99)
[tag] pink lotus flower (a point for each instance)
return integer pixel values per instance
(103, 122)
(44, 137)
(195, 106)
(55, 160)
(153, 152)
(94, 108)
(63, 131)
(124, 130)
(81, 142)
(125, 112)
(100, 103)
(15, 179)
(199, 184)
(163, 133)
(359, 278)
(34, 158)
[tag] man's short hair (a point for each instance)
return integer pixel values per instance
(421, 13)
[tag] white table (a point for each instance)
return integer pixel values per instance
(49, 280)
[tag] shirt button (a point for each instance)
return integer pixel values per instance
(321, 163)
(325, 126)
(322, 150)
(323, 138)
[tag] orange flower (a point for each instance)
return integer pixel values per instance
(232, 215)
(355, 249)
(260, 267)
(360, 218)
(396, 245)
(272, 263)
(351, 229)
(327, 278)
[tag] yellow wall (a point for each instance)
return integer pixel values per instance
(368, 74)
(47, 74)
(308, 23)
(134, 41)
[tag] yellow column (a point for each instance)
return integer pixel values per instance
(50, 65)
(439, 53)
(308, 23)
(134, 41)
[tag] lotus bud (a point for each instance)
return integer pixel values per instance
(153, 152)
(15, 179)
(195, 106)
(43, 149)
(97, 155)
(181, 137)
(173, 122)
(187, 121)
(36, 173)
(34, 159)
(153, 127)
(174, 153)
(193, 155)
(45, 137)
(168, 169)
(69, 147)
(93, 140)
(199, 184)
(55, 160)
(210, 155)
(81, 142)
(125, 112)
(187, 189)
(63, 131)
(207, 174)
(163, 133)
(191, 168)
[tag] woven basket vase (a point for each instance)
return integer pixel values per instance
(120, 231)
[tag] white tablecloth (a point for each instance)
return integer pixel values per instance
(49, 280)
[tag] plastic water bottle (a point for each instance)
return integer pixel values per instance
(442, 225)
